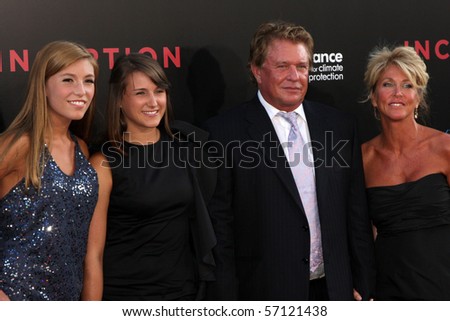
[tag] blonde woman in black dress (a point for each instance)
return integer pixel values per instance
(407, 171)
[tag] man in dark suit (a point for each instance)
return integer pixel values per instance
(282, 236)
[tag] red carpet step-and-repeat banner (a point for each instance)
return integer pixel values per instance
(203, 46)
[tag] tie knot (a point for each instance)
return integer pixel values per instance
(291, 117)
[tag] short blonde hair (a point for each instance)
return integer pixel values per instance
(408, 61)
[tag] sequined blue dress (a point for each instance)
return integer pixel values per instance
(45, 233)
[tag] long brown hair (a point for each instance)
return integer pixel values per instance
(124, 66)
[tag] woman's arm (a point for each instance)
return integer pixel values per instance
(93, 265)
(12, 162)
(3, 296)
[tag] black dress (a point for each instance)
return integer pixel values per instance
(148, 251)
(413, 241)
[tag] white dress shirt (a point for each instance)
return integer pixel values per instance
(305, 187)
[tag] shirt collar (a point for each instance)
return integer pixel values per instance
(272, 111)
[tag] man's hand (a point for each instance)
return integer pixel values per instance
(356, 295)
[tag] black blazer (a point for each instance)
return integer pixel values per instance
(192, 139)
(262, 231)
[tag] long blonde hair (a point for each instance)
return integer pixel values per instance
(33, 120)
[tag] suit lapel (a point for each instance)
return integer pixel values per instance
(317, 125)
(261, 130)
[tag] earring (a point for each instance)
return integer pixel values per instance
(376, 113)
(416, 113)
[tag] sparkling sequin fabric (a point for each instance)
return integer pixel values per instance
(45, 233)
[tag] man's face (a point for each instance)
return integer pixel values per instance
(283, 77)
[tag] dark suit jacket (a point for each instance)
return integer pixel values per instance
(191, 140)
(262, 231)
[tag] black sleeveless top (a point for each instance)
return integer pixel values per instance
(413, 241)
(148, 252)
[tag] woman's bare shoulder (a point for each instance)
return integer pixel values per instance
(11, 149)
(370, 146)
(438, 140)
(13, 154)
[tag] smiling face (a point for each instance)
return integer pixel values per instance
(70, 91)
(143, 103)
(395, 95)
(283, 77)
